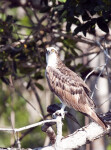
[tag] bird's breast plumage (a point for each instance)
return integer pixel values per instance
(68, 87)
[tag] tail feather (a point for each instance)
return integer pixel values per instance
(98, 120)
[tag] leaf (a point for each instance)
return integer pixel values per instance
(9, 18)
(38, 76)
(102, 24)
(28, 85)
(68, 26)
(76, 21)
(77, 30)
(5, 80)
(45, 9)
(62, 1)
(44, 1)
(39, 86)
(109, 147)
(85, 16)
(92, 29)
(84, 27)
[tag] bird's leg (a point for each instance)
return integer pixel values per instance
(60, 112)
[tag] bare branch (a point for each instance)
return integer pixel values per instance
(59, 133)
(37, 97)
(27, 127)
(50, 132)
(85, 135)
(92, 72)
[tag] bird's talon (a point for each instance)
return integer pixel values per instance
(59, 113)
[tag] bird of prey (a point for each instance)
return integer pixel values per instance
(69, 87)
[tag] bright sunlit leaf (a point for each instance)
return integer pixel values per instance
(62, 1)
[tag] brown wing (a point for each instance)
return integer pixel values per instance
(69, 88)
(66, 71)
(72, 90)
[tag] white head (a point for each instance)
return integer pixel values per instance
(51, 56)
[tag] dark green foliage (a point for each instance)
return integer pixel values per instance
(87, 9)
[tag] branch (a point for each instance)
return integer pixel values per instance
(59, 133)
(27, 127)
(85, 135)
(33, 87)
(50, 132)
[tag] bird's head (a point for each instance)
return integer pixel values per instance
(51, 50)
(51, 56)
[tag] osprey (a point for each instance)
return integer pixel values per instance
(69, 87)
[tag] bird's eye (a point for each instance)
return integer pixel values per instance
(52, 50)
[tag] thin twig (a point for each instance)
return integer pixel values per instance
(104, 49)
(37, 97)
(27, 127)
(29, 16)
(109, 99)
(12, 86)
(29, 103)
(92, 72)
(25, 133)
(97, 81)
(34, 12)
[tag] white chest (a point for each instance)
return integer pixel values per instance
(51, 60)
